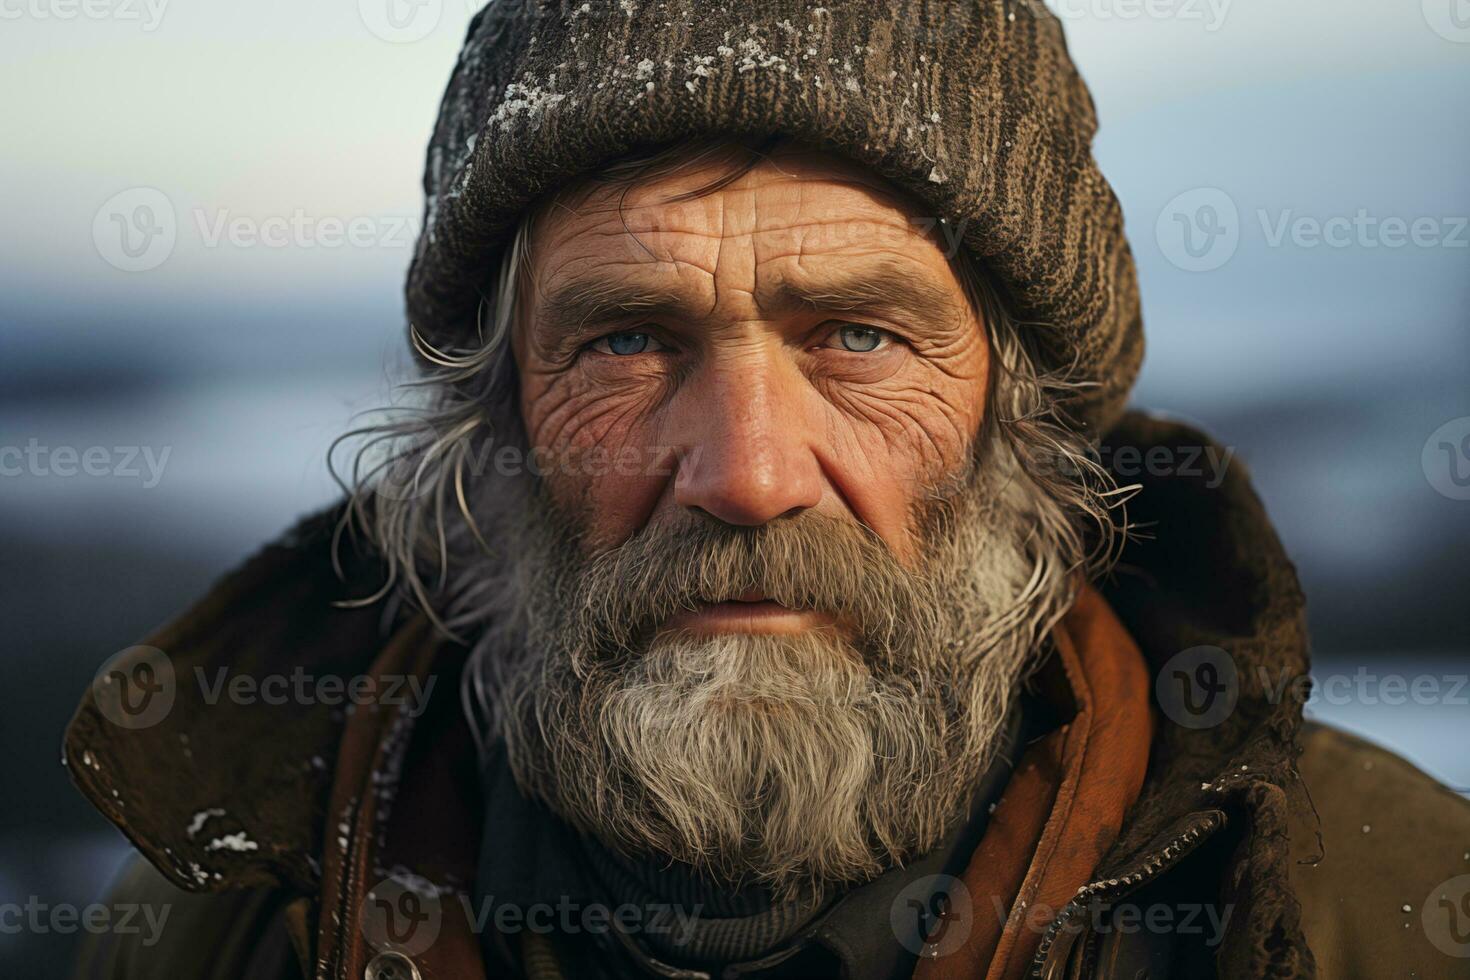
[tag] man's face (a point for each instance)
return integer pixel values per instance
(780, 643)
(795, 341)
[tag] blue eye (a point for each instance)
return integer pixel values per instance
(860, 339)
(627, 343)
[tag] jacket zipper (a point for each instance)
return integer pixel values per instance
(346, 881)
(1159, 861)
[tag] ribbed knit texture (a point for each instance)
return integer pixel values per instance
(974, 107)
(729, 925)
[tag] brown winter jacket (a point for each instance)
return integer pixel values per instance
(264, 827)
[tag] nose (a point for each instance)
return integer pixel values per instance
(744, 454)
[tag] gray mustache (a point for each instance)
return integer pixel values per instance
(617, 600)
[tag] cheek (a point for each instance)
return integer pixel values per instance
(600, 441)
(907, 437)
(886, 445)
(914, 426)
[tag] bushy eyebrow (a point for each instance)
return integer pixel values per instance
(886, 289)
(574, 311)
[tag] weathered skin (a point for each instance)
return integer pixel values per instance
(742, 402)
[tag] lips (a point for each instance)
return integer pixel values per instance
(750, 612)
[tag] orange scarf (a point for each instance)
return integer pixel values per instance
(1065, 803)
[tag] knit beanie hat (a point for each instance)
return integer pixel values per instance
(973, 106)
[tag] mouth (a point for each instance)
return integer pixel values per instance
(751, 612)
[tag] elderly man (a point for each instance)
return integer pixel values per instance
(751, 594)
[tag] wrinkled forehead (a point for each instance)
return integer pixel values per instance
(756, 190)
(789, 223)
